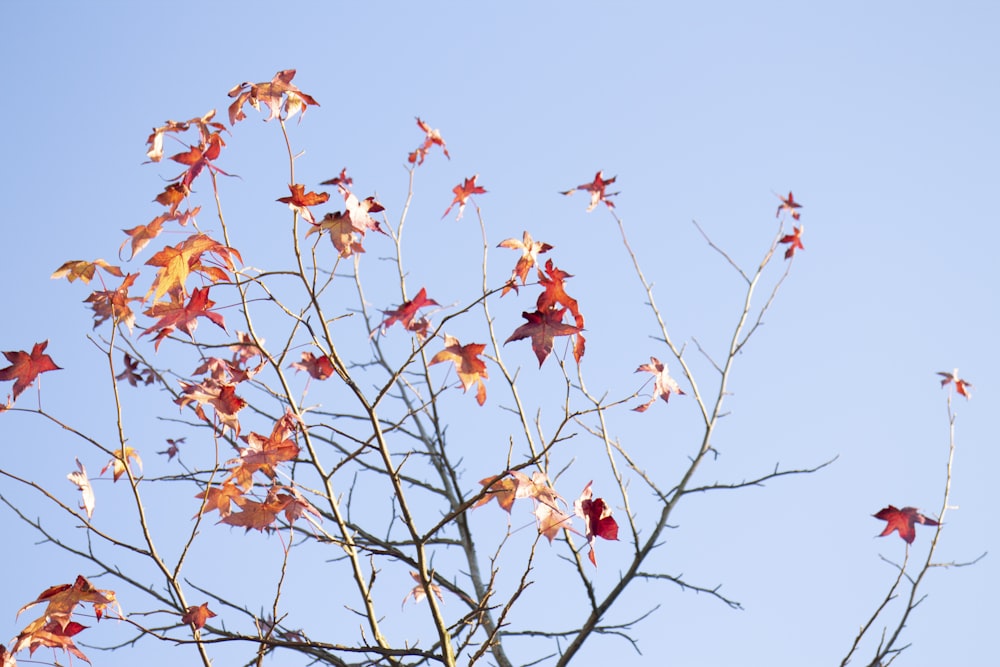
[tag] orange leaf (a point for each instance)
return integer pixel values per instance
(198, 616)
(26, 367)
(596, 188)
(85, 270)
(470, 368)
(462, 194)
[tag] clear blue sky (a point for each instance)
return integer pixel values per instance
(882, 117)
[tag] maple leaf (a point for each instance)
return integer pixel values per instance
(173, 195)
(50, 635)
(342, 180)
(341, 229)
(550, 520)
(470, 368)
(530, 250)
(300, 201)
(204, 124)
(407, 312)
(62, 599)
(132, 375)
(220, 395)
(795, 240)
(597, 191)
(120, 461)
(789, 205)
(360, 210)
(173, 448)
(263, 454)
(597, 517)
(198, 616)
(504, 490)
(664, 385)
(221, 498)
(79, 477)
(270, 94)
(176, 315)
(246, 348)
(462, 194)
(261, 515)
(114, 304)
(541, 327)
(84, 270)
(431, 138)
(141, 235)
(198, 158)
(320, 367)
(553, 280)
(25, 367)
(418, 592)
(177, 262)
(902, 520)
(961, 386)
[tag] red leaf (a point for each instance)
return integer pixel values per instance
(902, 520)
(432, 138)
(961, 386)
(795, 240)
(24, 367)
(300, 201)
(176, 315)
(220, 395)
(320, 368)
(665, 385)
(503, 489)
(541, 327)
(270, 94)
(462, 194)
(530, 249)
(198, 616)
(789, 205)
(470, 368)
(597, 517)
(596, 188)
(406, 313)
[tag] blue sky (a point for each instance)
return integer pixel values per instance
(881, 118)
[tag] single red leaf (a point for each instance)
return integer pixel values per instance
(542, 327)
(25, 367)
(431, 138)
(795, 239)
(470, 368)
(320, 367)
(789, 205)
(220, 395)
(462, 193)
(177, 315)
(114, 304)
(902, 520)
(198, 616)
(407, 312)
(300, 201)
(597, 516)
(597, 190)
(530, 250)
(961, 386)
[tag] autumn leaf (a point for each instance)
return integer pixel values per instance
(342, 180)
(795, 240)
(25, 367)
(113, 304)
(79, 477)
(542, 327)
(300, 201)
(84, 270)
(462, 194)
(263, 454)
(550, 520)
(789, 205)
(173, 448)
(319, 368)
(173, 195)
(470, 368)
(360, 210)
(902, 520)
(177, 262)
(204, 124)
(342, 233)
(198, 616)
(52, 634)
(530, 250)
(177, 315)
(504, 490)
(120, 461)
(133, 375)
(597, 517)
(406, 314)
(221, 498)
(261, 515)
(62, 599)
(961, 386)
(664, 385)
(270, 94)
(220, 395)
(597, 190)
(418, 593)
(432, 138)
(198, 158)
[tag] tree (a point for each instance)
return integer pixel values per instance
(315, 417)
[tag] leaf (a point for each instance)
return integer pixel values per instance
(432, 138)
(120, 461)
(341, 229)
(462, 194)
(83, 270)
(789, 205)
(597, 517)
(596, 188)
(220, 395)
(197, 158)
(961, 386)
(263, 454)
(553, 281)
(50, 635)
(198, 616)
(407, 312)
(470, 368)
(62, 599)
(177, 262)
(177, 315)
(319, 368)
(504, 490)
(204, 124)
(360, 212)
(300, 201)
(530, 250)
(270, 94)
(342, 180)
(550, 520)
(418, 592)
(221, 498)
(133, 375)
(173, 448)
(114, 304)
(902, 520)
(795, 240)
(25, 367)
(542, 327)
(664, 385)
(79, 477)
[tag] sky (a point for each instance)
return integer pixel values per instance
(881, 117)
